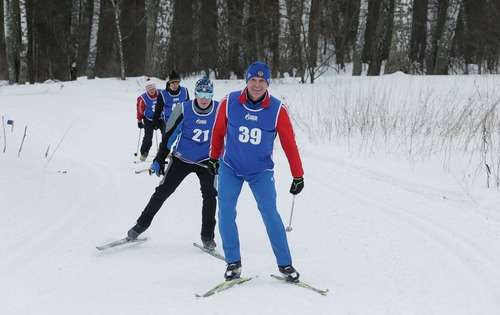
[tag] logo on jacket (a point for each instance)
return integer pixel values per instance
(251, 117)
(201, 121)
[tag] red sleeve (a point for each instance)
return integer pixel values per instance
(141, 108)
(287, 139)
(219, 131)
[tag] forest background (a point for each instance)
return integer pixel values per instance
(64, 39)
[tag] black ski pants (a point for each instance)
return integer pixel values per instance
(175, 173)
(147, 140)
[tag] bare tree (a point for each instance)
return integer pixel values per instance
(312, 39)
(206, 36)
(93, 40)
(119, 41)
(181, 53)
(343, 28)
(445, 41)
(159, 17)
(74, 37)
(275, 37)
(11, 35)
(360, 38)
(151, 16)
(222, 58)
(23, 49)
(295, 10)
(430, 48)
(381, 38)
(234, 38)
(163, 37)
(401, 35)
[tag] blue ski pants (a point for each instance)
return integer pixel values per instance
(264, 192)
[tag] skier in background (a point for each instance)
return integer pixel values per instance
(145, 108)
(173, 94)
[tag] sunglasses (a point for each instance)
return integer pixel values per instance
(206, 95)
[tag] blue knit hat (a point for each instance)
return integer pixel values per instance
(204, 85)
(260, 70)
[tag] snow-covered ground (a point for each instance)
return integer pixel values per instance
(384, 234)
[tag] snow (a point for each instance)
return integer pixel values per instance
(386, 235)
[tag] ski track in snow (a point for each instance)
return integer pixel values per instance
(419, 219)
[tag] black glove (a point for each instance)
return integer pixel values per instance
(156, 124)
(140, 125)
(213, 166)
(297, 185)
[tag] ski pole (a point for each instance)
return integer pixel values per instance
(4, 136)
(289, 227)
(157, 146)
(179, 155)
(138, 141)
(22, 142)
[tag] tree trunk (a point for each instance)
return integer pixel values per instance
(430, 49)
(401, 36)
(294, 8)
(206, 37)
(275, 40)
(182, 56)
(10, 39)
(312, 39)
(360, 39)
(119, 41)
(93, 40)
(446, 39)
(151, 16)
(234, 38)
(23, 49)
(162, 36)
(74, 37)
(381, 38)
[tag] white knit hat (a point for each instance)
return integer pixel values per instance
(150, 84)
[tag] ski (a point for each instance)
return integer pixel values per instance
(212, 252)
(123, 241)
(223, 286)
(142, 171)
(302, 285)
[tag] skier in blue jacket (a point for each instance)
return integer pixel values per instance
(242, 144)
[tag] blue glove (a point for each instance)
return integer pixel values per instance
(157, 168)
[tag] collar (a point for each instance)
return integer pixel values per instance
(154, 95)
(266, 102)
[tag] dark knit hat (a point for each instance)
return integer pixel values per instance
(174, 77)
(260, 70)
